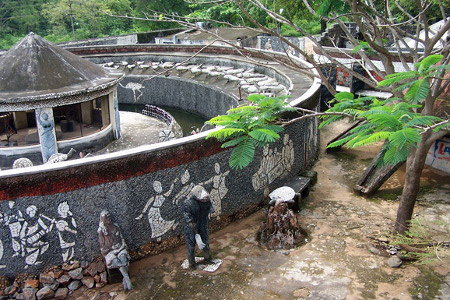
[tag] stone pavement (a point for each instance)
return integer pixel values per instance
(340, 260)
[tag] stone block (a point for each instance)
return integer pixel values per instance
(76, 274)
(29, 293)
(11, 290)
(32, 283)
(46, 278)
(45, 293)
(74, 285)
(94, 268)
(64, 280)
(88, 281)
(61, 293)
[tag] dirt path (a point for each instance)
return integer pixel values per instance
(339, 261)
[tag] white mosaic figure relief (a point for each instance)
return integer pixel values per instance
(275, 164)
(135, 87)
(185, 190)
(31, 233)
(311, 135)
(67, 230)
(14, 221)
(158, 225)
(218, 190)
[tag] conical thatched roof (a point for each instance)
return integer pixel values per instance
(36, 71)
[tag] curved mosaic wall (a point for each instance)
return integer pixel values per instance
(49, 214)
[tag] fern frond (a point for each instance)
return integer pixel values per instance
(396, 79)
(405, 137)
(222, 119)
(242, 109)
(274, 128)
(422, 121)
(242, 155)
(428, 61)
(234, 142)
(373, 138)
(422, 91)
(395, 155)
(410, 73)
(384, 120)
(225, 133)
(344, 96)
(405, 86)
(330, 120)
(255, 97)
(264, 135)
(343, 141)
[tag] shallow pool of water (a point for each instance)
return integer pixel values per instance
(187, 120)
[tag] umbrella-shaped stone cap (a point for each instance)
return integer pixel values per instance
(37, 70)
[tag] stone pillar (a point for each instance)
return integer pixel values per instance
(20, 119)
(115, 116)
(105, 111)
(46, 131)
(86, 112)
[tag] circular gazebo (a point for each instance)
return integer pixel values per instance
(52, 100)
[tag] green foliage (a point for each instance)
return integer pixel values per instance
(417, 81)
(364, 46)
(248, 127)
(418, 238)
(396, 121)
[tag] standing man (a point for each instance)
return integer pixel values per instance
(196, 209)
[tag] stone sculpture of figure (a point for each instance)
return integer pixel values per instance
(196, 209)
(113, 247)
(47, 125)
(47, 136)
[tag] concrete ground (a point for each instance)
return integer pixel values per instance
(341, 259)
(136, 130)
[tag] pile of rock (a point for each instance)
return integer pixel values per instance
(55, 282)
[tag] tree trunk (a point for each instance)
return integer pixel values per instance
(414, 166)
(323, 26)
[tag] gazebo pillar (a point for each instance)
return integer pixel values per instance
(46, 132)
(114, 116)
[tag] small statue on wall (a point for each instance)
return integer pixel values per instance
(113, 247)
